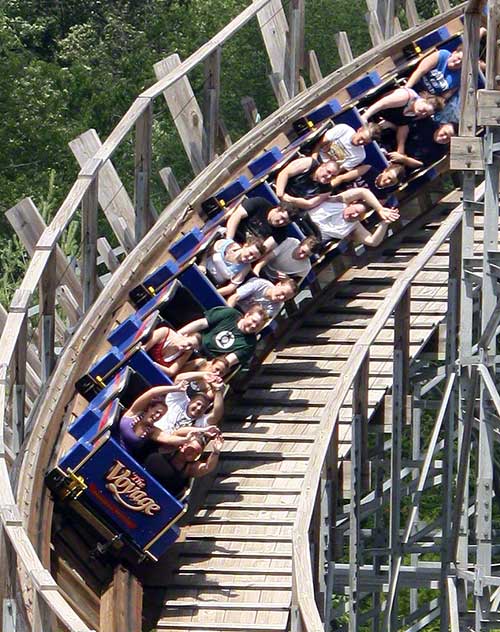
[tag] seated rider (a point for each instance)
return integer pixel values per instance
(340, 217)
(187, 410)
(173, 467)
(399, 108)
(170, 350)
(290, 258)
(137, 431)
(345, 145)
(257, 216)
(306, 182)
(438, 73)
(225, 331)
(229, 263)
(271, 296)
(427, 142)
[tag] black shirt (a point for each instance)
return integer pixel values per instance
(420, 142)
(303, 186)
(257, 223)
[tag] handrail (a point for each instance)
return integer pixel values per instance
(47, 414)
(301, 546)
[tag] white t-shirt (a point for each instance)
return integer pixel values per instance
(283, 262)
(253, 291)
(330, 220)
(176, 416)
(342, 149)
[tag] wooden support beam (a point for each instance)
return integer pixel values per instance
(274, 28)
(33, 369)
(47, 306)
(399, 418)
(374, 28)
(411, 13)
(467, 153)
(107, 254)
(144, 219)
(315, 73)
(443, 5)
(121, 603)
(185, 111)
(211, 99)
(113, 197)
(19, 305)
(88, 264)
(251, 113)
(488, 109)
(170, 181)
(224, 132)
(294, 60)
(29, 225)
(279, 88)
(343, 47)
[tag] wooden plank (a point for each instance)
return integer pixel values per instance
(121, 603)
(33, 368)
(143, 156)
(294, 59)
(47, 298)
(170, 181)
(344, 47)
(374, 28)
(411, 13)
(488, 107)
(113, 197)
(251, 114)
(467, 153)
(29, 225)
(279, 88)
(274, 28)
(315, 73)
(185, 111)
(107, 254)
(19, 306)
(211, 99)
(89, 245)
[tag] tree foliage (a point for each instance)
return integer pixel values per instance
(67, 66)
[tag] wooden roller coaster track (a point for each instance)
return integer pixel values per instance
(246, 560)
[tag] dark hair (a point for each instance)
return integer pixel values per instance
(288, 207)
(256, 308)
(258, 242)
(437, 103)
(373, 129)
(311, 242)
(291, 282)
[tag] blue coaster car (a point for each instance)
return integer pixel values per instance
(99, 480)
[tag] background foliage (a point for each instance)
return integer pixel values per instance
(69, 65)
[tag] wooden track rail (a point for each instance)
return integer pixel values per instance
(24, 518)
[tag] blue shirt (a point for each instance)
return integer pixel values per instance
(440, 79)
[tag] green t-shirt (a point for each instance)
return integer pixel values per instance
(223, 336)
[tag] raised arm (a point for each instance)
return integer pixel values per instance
(350, 175)
(261, 263)
(234, 220)
(367, 196)
(363, 236)
(143, 401)
(401, 136)
(218, 407)
(199, 469)
(194, 326)
(395, 99)
(403, 159)
(425, 66)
